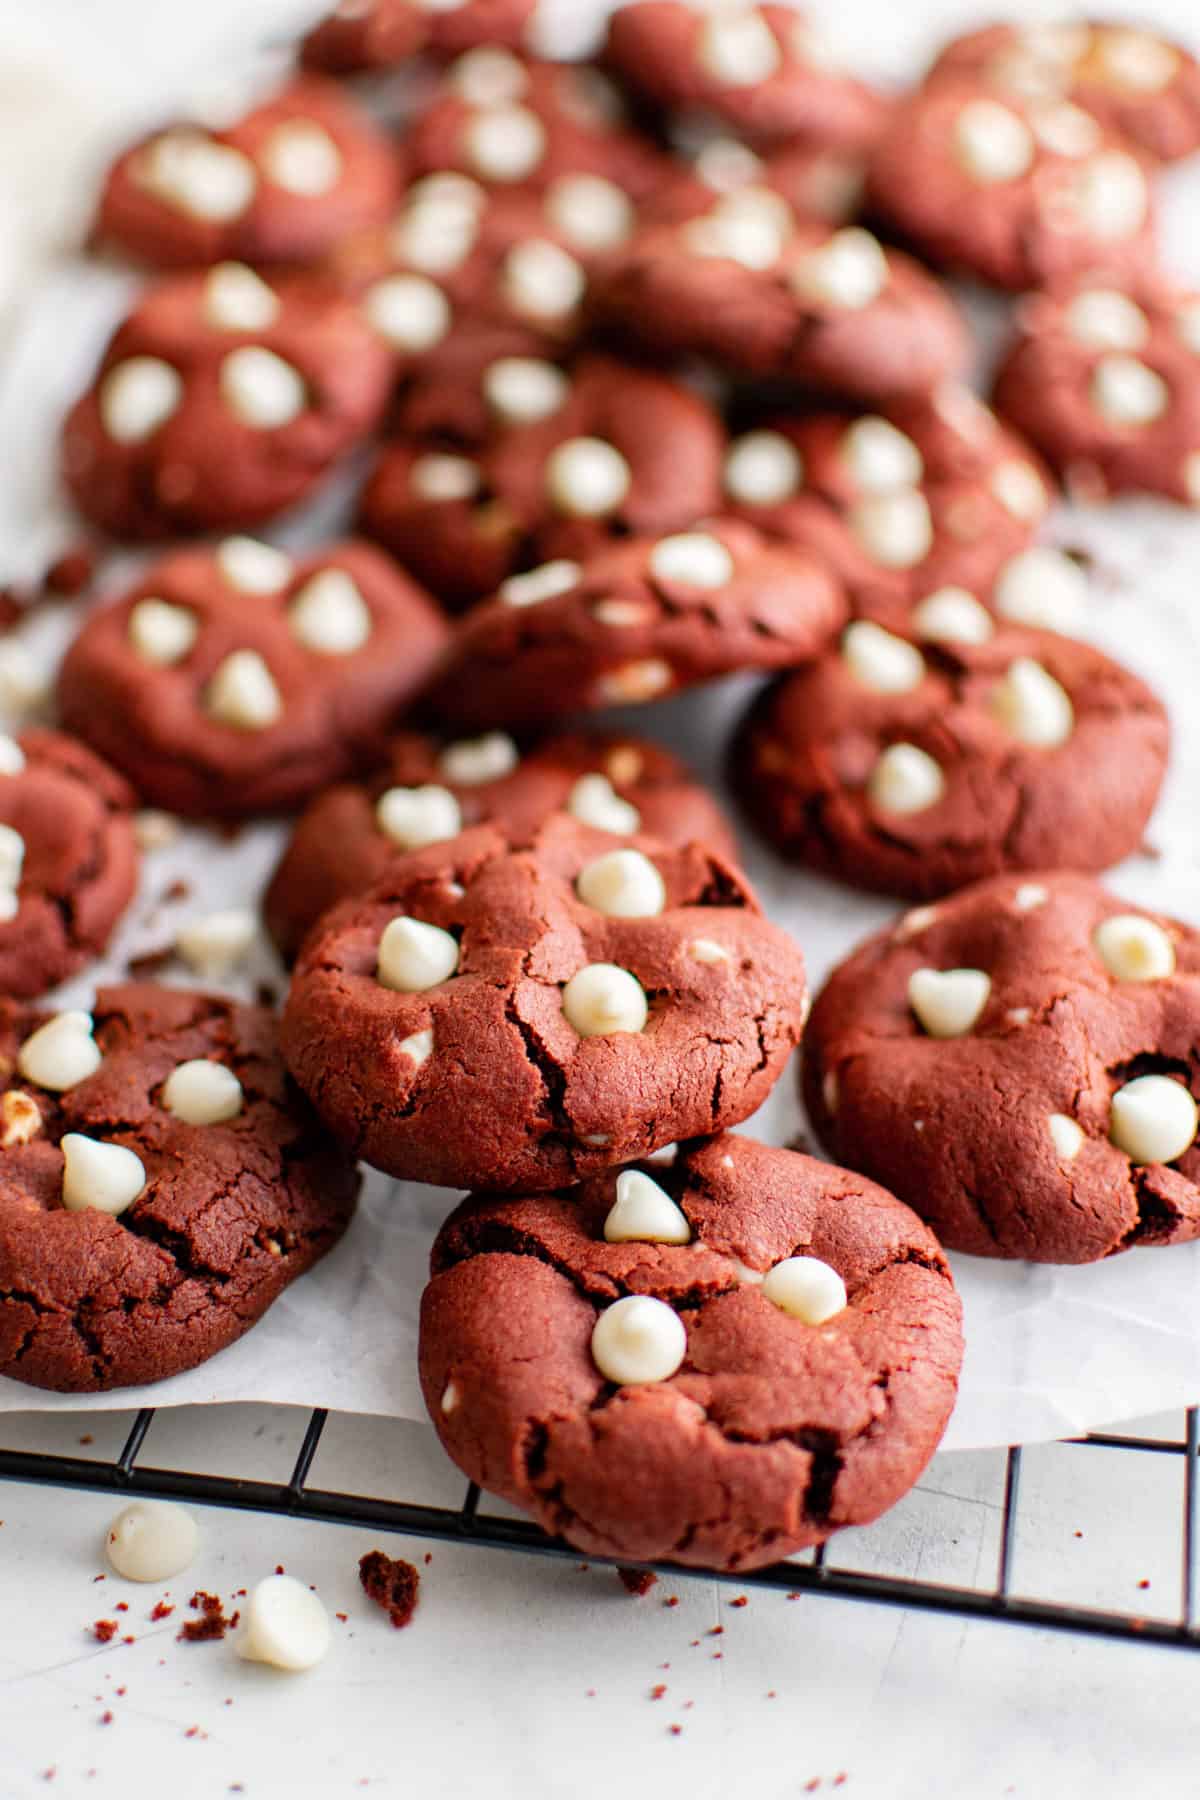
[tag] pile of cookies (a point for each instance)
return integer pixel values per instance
(647, 379)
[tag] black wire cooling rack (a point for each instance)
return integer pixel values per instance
(467, 1524)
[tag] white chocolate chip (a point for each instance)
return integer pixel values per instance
(329, 614)
(601, 998)
(284, 1624)
(1127, 392)
(692, 559)
(1065, 1135)
(410, 311)
(236, 299)
(830, 1092)
(880, 661)
(12, 857)
(763, 468)
(242, 693)
(523, 389)
(155, 830)
(948, 1002)
(724, 164)
(589, 211)
(894, 529)
(850, 271)
(1107, 196)
(440, 477)
(1019, 489)
(1106, 319)
(805, 1288)
(543, 583)
(622, 884)
(12, 757)
(488, 76)
(1032, 705)
(638, 1339)
(707, 950)
(300, 156)
(439, 227)
(60, 1053)
(260, 388)
(919, 919)
(201, 1092)
(906, 779)
(1153, 1119)
(952, 616)
(634, 682)
(542, 280)
(450, 1397)
(413, 817)
(505, 143)
(1065, 129)
(197, 175)
(473, 761)
(414, 956)
(218, 942)
(991, 142)
(880, 458)
(418, 1048)
(1187, 325)
(151, 1540)
(1191, 477)
(594, 802)
(1043, 587)
(737, 48)
(1136, 60)
(99, 1177)
(251, 567)
(753, 239)
(138, 396)
(1029, 896)
(162, 633)
(644, 1213)
(1134, 948)
(587, 477)
(1018, 1015)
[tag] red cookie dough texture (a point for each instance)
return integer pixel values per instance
(764, 70)
(635, 623)
(573, 459)
(771, 1434)
(429, 790)
(237, 680)
(282, 185)
(1014, 189)
(227, 1215)
(68, 863)
(223, 399)
(1019, 1063)
(915, 768)
(530, 1036)
(360, 35)
(1104, 377)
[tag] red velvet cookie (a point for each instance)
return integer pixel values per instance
(633, 623)
(162, 1183)
(918, 769)
(380, 34)
(282, 185)
(1016, 190)
(235, 681)
(221, 400)
(68, 864)
(1105, 379)
(429, 791)
(716, 1363)
(1016, 1063)
(526, 1016)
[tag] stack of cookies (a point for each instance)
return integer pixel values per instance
(656, 391)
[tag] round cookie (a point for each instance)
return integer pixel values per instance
(1016, 190)
(282, 185)
(238, 680)
(428, 791)
(68, 862)
(753, 285)
(1104, 377)
(221, 400)
(811, 1319)
(525, 1016)
(761, 69)
(1010, 1062)
(915, 770)
(359, 35)
(633, 623)
(575, 459)
(161, 1184)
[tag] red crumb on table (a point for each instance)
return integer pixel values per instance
(87, 1438)
(675, 1730)
(671, 1600)
(742, 1600)
(104, 1630)
(793, 1596)
(279, 1569)
(428, 1558)
(715, 1631)
(342, 1616)
(212, 1622)
(96, 1578)
(590, 1694)
(122, 1606)
(840, 1780)
(658, 1690)
(1143, 1584)
(162, 1611)
(106, 1718)
(129, 1640)
(392, 1584)
(637, 1581)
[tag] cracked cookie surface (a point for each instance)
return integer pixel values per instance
(772, 1433)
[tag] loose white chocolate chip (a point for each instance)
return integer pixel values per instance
(894, 529)
(707, 950)
(622, 884)
(539, 584)
(587, 477)
(991, 142)
(594, 802)
(1106, 319)
(1127, 392)
(948, 1002)
(329, 614)
(12, 757)
(505, 143)
(418, 1048)
(440, 477)
(1153, 1119)
(60, 1053)
(1065, 1135)
(1019, 489)
(413, 817)
(242, 693)
(260, 388)
(590, 211)
(880, 661)
(763, 469)
(1107, 196)
(216, 943)
(99, 1177)
(1029, 896)
(542, 280)
(952, 616)
(473, 761)
(1136, 60)
(634, 682)
(414, 956)
(1134, 948)
(410, 311)
(638, 1339)
(151, 1540)
(850, 271)
(138, 396)
(692, 559)
(806, 1288)
(1034, 707)
(738, 48)
(1042, 586)
(302, 157)
(906, 779)
(644, 1213)
(880, 458)
(600, 999)
(251, 567)
(161, 632)
(236, 299)
(201, 1092)
(197, 175)
(284, 1624)
(523, 389)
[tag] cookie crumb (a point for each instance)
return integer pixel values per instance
(637, 1581)
(162, 1611)
(104, 1630)
(1143, 1584)
(392, 1583)
(741, 1600)
(87, 1438)
(658, 1690)
(212, 1622)
(671, 1600)
(715, 1631)
(106, 1718)
(675, 1730)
